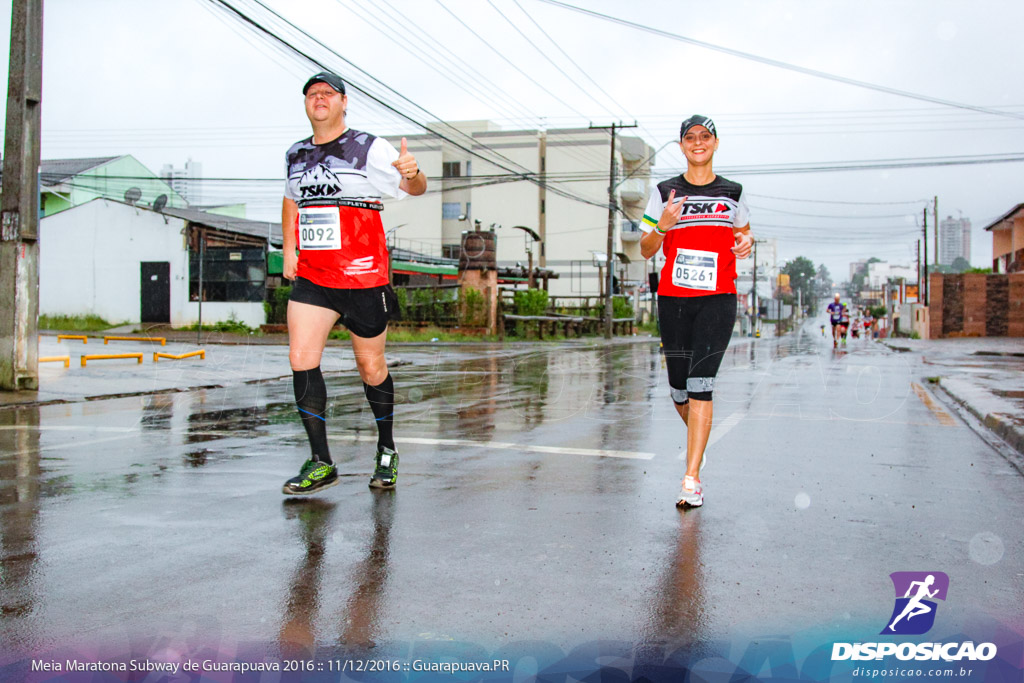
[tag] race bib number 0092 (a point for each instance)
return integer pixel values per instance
(319, 227)
(695, 269)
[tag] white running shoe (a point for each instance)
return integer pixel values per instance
(691, 494)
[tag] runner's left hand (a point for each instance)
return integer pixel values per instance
(744, 243)
(406, 163)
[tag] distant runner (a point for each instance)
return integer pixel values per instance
(700, 221)
(331, 213)
(844, 323)
(835, 313)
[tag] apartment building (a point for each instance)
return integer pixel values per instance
(554, 182)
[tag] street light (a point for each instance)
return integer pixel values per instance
(528, 233)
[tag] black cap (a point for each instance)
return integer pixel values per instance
(333, 80)
(696, 120)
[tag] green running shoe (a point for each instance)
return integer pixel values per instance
(385, 475)
(312, 477)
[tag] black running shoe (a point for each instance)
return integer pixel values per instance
(385, 475)
(312, 477)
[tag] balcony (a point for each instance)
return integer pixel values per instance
(633, 190)
(629, 231)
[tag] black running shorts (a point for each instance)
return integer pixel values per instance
(695, 333)
(365, 312)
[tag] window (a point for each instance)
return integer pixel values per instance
(451, 210)
(229, 274)
(451, 169)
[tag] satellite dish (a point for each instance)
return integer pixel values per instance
(159, 203)
(132, 195)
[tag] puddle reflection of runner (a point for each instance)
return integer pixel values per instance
(679, 612)
(915, 607)
(359, 622)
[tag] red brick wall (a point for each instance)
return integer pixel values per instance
(976, 305)
(1015, 316)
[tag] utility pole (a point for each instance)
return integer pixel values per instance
(935, 216)
(919, 289)
(753, 295)
(542, 195)
(924, 212)
(19, 203)
(612, 206)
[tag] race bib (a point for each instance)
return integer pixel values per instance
(695, 269)
(319, 227)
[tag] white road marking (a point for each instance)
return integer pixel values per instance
(721, 429)
(499, 445)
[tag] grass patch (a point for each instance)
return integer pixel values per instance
(933, 380)
(231, 326)
(76, 323)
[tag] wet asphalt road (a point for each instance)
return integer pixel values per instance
(535, 502)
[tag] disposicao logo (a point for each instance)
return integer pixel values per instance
(916, 592)
(914, 614)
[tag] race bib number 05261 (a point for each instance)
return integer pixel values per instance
(695, 269)
(319, 227)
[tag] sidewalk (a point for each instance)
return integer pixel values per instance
(984, 374)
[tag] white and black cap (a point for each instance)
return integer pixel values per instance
(333, 80)
(697, 120)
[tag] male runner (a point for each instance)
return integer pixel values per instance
(835, 312)
(331, 213)
(700, 221)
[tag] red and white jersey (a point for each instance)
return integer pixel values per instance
(698, 250)
(338, 187)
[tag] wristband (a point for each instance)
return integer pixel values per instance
(660, 231)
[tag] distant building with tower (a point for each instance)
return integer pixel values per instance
(954, 240)
(185, 181)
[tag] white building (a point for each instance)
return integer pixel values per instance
(555, 162)
(880, 272)
(185, 181)
(129, 263)
(954, 240)
(767, 269)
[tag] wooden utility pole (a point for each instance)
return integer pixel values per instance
(924, 212)
(919, 289)
(612, 206)
(19, 202)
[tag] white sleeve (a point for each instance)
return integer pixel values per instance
(742, 217)
(287, 182)
(655, 207)
(384, 177)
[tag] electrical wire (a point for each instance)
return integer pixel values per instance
(783, 65)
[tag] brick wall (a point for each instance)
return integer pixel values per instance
(976, 305)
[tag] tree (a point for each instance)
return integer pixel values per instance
(823, 285)
(960, 264)
(801, 272)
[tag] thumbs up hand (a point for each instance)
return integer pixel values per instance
(406, 162)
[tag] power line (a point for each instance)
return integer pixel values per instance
(783, 65)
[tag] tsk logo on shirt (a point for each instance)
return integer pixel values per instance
(704, 208)
(318, 182)
(916, 592)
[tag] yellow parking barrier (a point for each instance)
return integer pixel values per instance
(157, 355)
(72, 336)
(57, 359)
(110, 356)
(162, 340)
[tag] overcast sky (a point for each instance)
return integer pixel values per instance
(178, 79)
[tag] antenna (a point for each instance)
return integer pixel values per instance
(132, 195)
(159, 203)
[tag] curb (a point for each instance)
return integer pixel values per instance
(1002, 425)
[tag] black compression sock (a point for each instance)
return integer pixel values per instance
(382, 402)
(311, 399)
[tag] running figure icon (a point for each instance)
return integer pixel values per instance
(915, 607)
